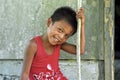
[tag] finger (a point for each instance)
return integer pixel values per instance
(81, 10)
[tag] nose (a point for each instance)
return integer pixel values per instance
(61, 36)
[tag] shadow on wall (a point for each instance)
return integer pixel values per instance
(117, 29)
(117, 40)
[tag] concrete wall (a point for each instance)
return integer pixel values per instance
(90, 70)
(23, 19)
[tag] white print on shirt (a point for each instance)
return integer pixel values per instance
(51, 75)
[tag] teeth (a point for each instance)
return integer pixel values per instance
(56, 39)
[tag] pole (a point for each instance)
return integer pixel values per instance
(78, 41)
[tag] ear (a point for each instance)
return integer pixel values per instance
(49, 21)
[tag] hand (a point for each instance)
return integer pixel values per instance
(80, 15)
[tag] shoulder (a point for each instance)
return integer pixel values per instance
(32, 43)
(32, 46)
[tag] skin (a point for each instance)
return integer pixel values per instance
(57, 33)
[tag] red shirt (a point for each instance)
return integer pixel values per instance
(44, 66)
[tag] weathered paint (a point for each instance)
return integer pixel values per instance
(107, 3)
(109, 38)
(94, 29)
(21, 20)
(33, 22)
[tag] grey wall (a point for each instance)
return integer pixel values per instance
(90, 70)
(23, 19)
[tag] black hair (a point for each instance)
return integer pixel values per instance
(66, 13)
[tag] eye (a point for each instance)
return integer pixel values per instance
(67, 36)
(60, 30)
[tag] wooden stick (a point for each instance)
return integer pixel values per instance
(78, 41)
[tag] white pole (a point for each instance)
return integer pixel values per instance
(78, 41)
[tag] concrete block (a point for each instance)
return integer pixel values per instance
(90, 70)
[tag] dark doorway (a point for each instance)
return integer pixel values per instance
(117, 40)
(117, 29)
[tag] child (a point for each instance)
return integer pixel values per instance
(42, 54)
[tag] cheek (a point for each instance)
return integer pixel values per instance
(48, 30)
(51, 32)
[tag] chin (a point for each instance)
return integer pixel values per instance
(52, 43)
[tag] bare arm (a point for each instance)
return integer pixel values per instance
(81, 15)
(72, 48)
(28, 57)
(83, 40)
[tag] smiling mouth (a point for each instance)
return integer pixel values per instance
(55, 39)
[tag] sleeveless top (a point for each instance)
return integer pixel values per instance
(44, 66)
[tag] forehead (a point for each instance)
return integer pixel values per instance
(64, 25)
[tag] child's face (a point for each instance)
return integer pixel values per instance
(59, 32)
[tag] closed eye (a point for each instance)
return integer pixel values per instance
(60, 30)
(67, 36)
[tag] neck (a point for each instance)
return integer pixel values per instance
(45, 40)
